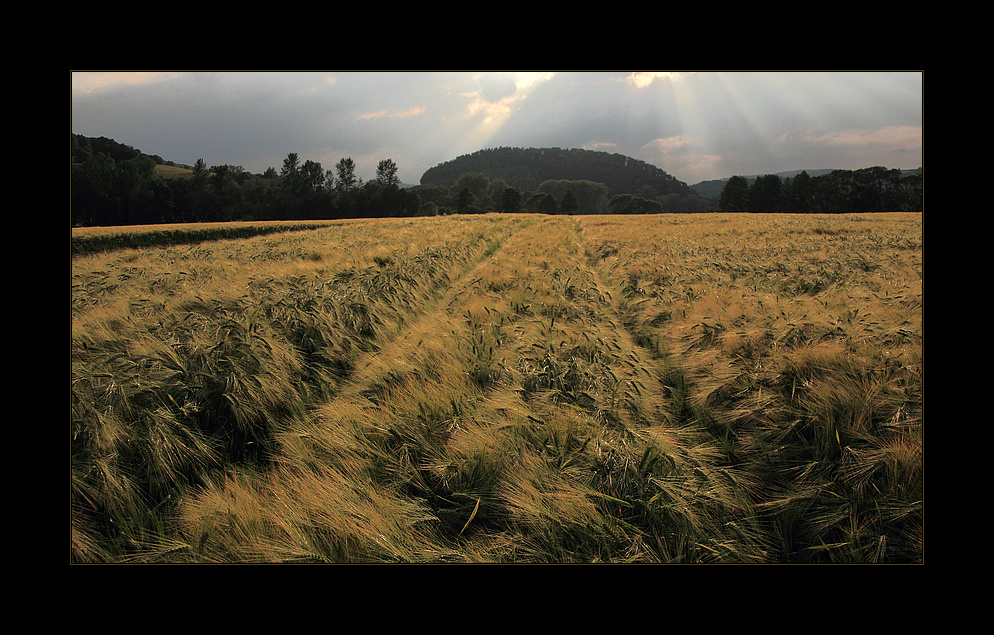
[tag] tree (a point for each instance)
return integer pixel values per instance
(312, 176)
(765, 194)
(127, 192)
(799, 194)
(466, 202)
(291, 180)
(510, 200)
(569, 204)
(220, 175)
(835, 191)
(437, 194)
(733, 195)
(591, 197)
(92, 201)
(291, 164)
(346, 180)
(479, 186)
(628, 204)
(200, 172)
(542, 203)
(912, 190)
(875, 189)
(496, 191)
(386, 173)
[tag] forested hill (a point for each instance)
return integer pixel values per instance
(81, 148)
(527, 168)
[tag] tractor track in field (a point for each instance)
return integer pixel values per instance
(557, 325)
(553, 318)
(389, 359)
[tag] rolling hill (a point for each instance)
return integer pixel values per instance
(526, 168)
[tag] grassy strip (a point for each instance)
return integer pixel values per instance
(98, 239)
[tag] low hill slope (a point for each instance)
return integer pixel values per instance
(527, 168)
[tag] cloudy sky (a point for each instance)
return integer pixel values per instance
(694, 125)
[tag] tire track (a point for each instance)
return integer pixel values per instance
(398, 356)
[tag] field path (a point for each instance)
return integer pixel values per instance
(523, 356)
(550, 318)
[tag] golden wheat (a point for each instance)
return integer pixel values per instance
(699, 388)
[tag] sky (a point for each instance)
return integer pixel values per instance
(696, 126)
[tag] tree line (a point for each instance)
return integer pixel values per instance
(116, 187)
(105, 191)
(875, 189)
(114, 184)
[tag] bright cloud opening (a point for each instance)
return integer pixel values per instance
(485, 116)
(643, 79)
(397, 114)
(667, 145)
(524, 81)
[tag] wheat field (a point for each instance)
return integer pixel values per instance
(707, 388)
